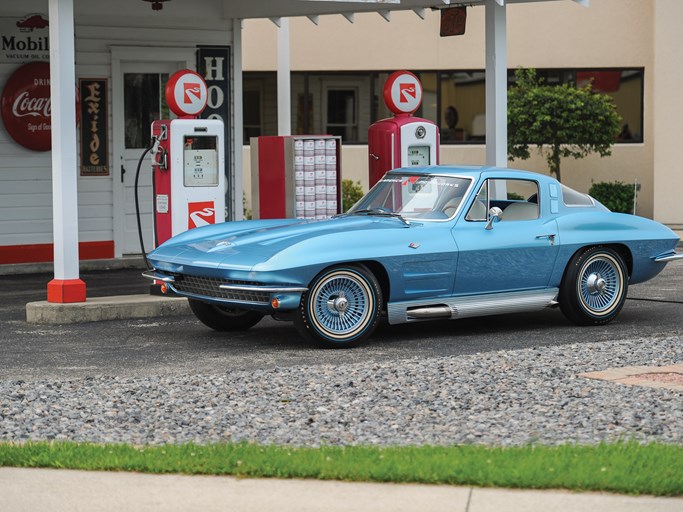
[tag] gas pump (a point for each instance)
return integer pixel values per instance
(188, 165)
(402, 140)
(188, 161)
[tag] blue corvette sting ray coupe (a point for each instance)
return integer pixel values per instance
(423, 243)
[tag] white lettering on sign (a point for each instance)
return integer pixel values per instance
(24, 105)
(214, 68)
(216, 97)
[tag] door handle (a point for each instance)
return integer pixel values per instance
(550, 236)
(123, 171)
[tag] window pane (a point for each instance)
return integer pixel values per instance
(573, 198)
(463, 104)
(341, 106)
(427, 109)
(252, 108)
(143, 102)
(626, 89)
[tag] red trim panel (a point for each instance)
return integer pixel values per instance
(66, 290)
(271, 185)
(39, 253)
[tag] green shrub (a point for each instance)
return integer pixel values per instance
(351, 193)
(514, 196)
(616, 196)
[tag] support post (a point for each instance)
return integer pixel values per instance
(496, 84)
(284, 114)
(238, 142)
(66, 285)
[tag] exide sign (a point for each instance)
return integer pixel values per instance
(26, 106)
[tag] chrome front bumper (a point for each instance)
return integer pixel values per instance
(669, 256)
(220, 291)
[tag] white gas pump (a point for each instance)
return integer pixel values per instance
(402, 140)
(188, 161)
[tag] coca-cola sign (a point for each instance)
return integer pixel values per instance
(26, 106)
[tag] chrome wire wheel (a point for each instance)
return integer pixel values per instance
(594, 286)
(341, 307)
(600, 284)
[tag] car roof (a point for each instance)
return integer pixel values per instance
(474, 171)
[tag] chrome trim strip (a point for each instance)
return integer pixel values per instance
(669, 256)
(267, 289)
(153, 274)
(476, 305)
(216, 299)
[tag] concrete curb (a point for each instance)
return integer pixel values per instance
(106, 308)
(65, 490)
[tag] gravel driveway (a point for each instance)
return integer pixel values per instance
(497, 398)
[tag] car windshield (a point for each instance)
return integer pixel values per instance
(414, 196)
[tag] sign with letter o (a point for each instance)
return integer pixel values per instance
(402, 92)
(186, 93)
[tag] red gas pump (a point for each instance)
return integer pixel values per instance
(403, 140)
(188, 162)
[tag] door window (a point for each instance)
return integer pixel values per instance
(143, 101)
(517, 198)
(341, 113)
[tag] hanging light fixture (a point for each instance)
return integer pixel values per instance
(157, 5)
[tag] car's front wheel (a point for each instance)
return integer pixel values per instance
(341, 307)
(594, 286)
(221, 318)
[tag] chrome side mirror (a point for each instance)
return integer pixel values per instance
(495, 215)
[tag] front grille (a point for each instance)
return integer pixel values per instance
(210, 287)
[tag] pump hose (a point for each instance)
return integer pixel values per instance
(137, 202)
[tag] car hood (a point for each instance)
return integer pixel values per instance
(244, 244)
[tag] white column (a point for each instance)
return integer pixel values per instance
(284, 114)
(666, 77)
(496, 84)
(238, 132)
(64, 153)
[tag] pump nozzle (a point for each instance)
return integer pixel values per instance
(159, 155)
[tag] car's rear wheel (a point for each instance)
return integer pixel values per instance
(341, 307)
(221, 318)
(594, 286)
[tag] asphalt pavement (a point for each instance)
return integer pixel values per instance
(181, 345)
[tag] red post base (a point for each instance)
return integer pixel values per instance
(66, 290)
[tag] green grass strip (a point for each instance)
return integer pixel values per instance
(625, 467)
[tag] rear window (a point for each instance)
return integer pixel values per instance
(573, 198)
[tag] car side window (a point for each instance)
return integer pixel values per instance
(519, 200)
(477, 211)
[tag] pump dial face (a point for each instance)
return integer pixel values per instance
(418, 155)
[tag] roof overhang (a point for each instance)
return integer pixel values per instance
(292, 8)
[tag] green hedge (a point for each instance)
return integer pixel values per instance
(616, 196)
